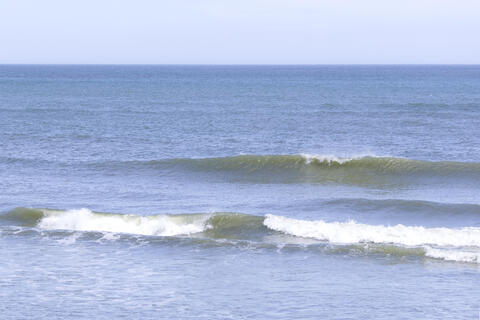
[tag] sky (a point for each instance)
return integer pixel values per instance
(240, 32)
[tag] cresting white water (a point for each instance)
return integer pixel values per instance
(352, 232)
(86, 220)
(327, 158)
(340, 159)
(453, 240)
(453, 255)
(460, 244)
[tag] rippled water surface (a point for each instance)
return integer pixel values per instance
(252, 192)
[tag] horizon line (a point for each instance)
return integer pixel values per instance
(239, 64)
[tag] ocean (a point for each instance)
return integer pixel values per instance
(239, 192)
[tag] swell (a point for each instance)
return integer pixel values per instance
(365, 171)
(457, 244)
(369, 171)
(324, 163)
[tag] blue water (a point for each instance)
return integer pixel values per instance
(239, 192)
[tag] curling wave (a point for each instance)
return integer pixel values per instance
(86, 220)
(301, 168)
(460, 244)
(327, 162)
(216, 224)
(367, 170)
(456, 244)
(353, 232)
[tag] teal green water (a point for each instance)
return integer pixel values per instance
(252, 192)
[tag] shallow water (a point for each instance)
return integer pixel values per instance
(218, 192)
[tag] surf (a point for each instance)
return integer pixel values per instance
(454, 244)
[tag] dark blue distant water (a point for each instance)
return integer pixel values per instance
(239, 192)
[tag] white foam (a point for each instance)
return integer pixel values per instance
(353, 232)
(331, 159)
(324, 158)
(453, 255)
(70, 240)
(86, 220)
(109, 236)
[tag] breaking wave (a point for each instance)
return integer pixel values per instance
(456, 244)
(353, 232)
(300, 168)
(439, 243)
(367, 170)
(151, 225)
(327, 162)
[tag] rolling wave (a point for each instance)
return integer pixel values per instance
(389, 165)
(86, 220)
(301, 168)
(364, 171)
(353, 232)
(457, 244)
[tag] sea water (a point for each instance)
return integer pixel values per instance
(239, 192)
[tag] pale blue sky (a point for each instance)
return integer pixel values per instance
(240, 32)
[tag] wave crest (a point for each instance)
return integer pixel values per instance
(352, 232)
(301, 168)
(455, 244)
(366, 170)
(87, 220)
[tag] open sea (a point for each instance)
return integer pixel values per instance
(239, 192)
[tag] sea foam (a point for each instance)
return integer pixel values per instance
(353, 232)
(453, 244)
(158, 225)
(453, 255)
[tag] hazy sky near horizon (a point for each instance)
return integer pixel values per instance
(240, 32)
